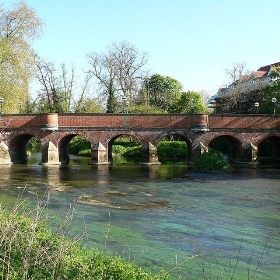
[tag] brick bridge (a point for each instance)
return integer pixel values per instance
(246, 136)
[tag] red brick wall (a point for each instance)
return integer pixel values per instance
(244, 121)
(130, 120)
(30, 120)
(144, 120)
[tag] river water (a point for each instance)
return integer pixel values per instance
(196, 226)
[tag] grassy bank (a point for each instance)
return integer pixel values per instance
(30, 250)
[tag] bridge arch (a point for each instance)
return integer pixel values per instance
(175, 136)
(63, 146)
(18, 147)
(269, 149)
(115, 137)
(228, 145)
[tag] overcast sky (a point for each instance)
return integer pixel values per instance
(191, 41)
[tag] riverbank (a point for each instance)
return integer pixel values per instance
(30, 250)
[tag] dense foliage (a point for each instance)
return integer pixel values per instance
(127, 147)
(30, 250)
(172, 150)
(163, 91)
(18, 28)
(189, 102)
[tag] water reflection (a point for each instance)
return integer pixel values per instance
(160, 215)
(5, 175)
(54, 175)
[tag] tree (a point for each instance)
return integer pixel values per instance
(57, 91)
(242, 92)
(163, 91)
(268, 93)
(18, 28)
(234, 93)
(88, 105)
(60, 92)
(59, 88)
(117, 72)
(145, 109)
(189, 103)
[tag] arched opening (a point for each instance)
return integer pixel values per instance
(124, 149)
(76, 148)
(228, 146)
(173, 148)
(269, 150)
(26, 148)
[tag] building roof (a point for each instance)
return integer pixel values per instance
(268, 68)
(262, 72)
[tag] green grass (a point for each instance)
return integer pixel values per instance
(30, 250)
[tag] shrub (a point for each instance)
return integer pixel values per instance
(118, 150)
(127, 147)
(211, 161)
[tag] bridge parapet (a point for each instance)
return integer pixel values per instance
(49, 121)
(247, 122)
(29, 120)
(16, 120)
(132, 120)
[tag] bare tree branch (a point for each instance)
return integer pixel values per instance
(116, 72)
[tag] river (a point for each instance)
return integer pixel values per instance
(196, 226)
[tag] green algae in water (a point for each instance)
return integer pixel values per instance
(210, 223)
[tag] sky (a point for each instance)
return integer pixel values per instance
(191, 41)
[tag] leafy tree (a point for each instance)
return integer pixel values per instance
(163, 91)
(88, 105)
(190, 103)
(144, 109)
(18, 28)
(117, 72)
